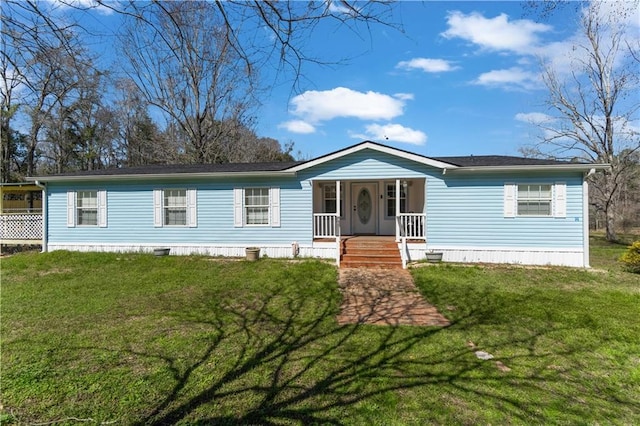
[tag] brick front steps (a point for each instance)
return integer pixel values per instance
(370, 252)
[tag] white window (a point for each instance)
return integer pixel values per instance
(256, 206)
(87, 208)
(535, 200)
(391, 199)
(174, 207)
(329, 197)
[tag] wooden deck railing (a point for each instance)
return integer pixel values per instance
(21, 227)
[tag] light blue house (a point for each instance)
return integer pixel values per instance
(472, 209)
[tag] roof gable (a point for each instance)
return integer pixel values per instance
(376, 147)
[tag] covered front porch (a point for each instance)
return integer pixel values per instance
(392, 209)
(369, 207)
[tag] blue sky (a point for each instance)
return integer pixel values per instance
(462, 79)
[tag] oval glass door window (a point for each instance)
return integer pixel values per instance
(364, 205)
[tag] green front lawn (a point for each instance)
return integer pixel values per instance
(137, 339)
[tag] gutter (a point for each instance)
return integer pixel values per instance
(531, 168)
(45, 226)
(157, 176)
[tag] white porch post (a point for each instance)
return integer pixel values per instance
(337, 223)
(338, 195)
(397, 209)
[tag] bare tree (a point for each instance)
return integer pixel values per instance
(47, 59)
(184, 66)
(8, 107)
(593, 107)
(258, 31)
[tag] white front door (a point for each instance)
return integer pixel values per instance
(364, 211)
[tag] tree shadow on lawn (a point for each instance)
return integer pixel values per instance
(294, 364)
(282, 358)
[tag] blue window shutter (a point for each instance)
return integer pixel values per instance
(192, 208)
(102, 209)
(274, 194)
(560, 200)
(157, 208)
(510, 200)
(71, 209)
(238, 194)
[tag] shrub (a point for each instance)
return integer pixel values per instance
(631, 258)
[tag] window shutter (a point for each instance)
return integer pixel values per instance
(275, 206)
(71, 209)
(192, 208)
(157, 208)
(102, 209)
(560, 199)
(238, 193)
(509, 200)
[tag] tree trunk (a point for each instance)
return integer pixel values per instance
(610, 224)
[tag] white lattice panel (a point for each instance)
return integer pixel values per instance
(21, 227)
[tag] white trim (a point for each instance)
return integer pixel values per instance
(585, 223)
(513, 256)
(238, 207)
(71, 209)
(102, 208)
(560, 200)
(274, 206)
(437, 247)
(375, 147)
(536, 167)
(500, 255)
(162, 176)
(509, 200)
(224, 250)
(192, 208)
(157, 208)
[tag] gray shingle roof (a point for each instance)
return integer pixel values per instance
(177, 169)
(153, 169)
(496, 160)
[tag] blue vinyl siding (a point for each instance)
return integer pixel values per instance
(130, 215)
(463, 210)
(468, 211)
(366, 165)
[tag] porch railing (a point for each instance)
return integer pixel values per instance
(326, 225)
(21, 227)
(411, 225)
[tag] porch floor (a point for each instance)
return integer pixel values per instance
(384, 297)
(381, 238)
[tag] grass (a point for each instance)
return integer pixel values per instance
(136, 339)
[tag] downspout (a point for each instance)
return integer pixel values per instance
(44, 215)
(585, 218)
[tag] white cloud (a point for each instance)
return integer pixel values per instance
(315, 106)
(534, 117)
(392, 132)
(427, 65)
(514, 78)
(81, 4)
(497, 33)
(297, 126)
(404, 96)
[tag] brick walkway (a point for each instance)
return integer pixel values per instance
(385, 297)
